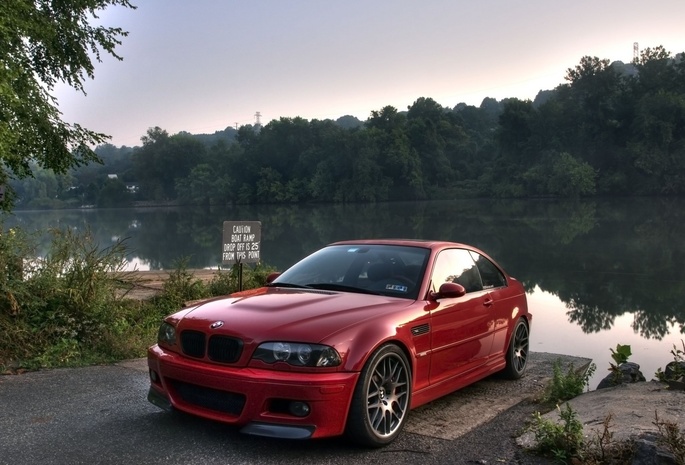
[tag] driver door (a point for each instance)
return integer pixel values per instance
(462, 327)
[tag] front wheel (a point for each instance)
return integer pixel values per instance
(381, 398)
(517, 353)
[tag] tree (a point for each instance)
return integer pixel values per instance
(44, 43)
(658, 142)
(515, 130)
(594, 101)
(656, 71)
(426, 134)
(113, 194)
(204, 186)
(163, 159)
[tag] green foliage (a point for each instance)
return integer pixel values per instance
(611, 129)
(227, 281)
(113, 194)
(560, 440)
(566, 443)
(54, 307)
(203, 187)
(562, 175)
(621, 354)
(180, 287)
(68, 308)
(565, 386)
(44, 43)
(677, 367)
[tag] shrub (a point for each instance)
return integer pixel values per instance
(560, 440)
(675, 370)
(566, 443)
(67, 309)
(56, 308)
(565, 386)
(227, 282)
(180, 287)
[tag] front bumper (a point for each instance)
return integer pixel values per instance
(255, 399)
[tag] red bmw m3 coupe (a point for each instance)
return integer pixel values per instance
(346, 341)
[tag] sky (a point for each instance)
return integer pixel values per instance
(205, 65)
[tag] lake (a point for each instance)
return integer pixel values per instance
(598, 272)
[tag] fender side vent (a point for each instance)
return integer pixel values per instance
(421, 329)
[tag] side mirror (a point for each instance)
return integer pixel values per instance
(449, 291)
(272, 276)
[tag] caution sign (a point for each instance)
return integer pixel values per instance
(242, 241)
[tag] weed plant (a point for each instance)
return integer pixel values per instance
(565, 442)
(68, 307)
(567, 385)
(619, 356)
(671, 437)
(675, 370)
(559, 440)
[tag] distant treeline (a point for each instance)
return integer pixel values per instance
(611, 129)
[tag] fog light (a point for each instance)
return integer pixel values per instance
(299, 409)
(153, 376)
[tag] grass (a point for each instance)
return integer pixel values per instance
(66, 308)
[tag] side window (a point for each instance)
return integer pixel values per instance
(456, 266)
(491, 275)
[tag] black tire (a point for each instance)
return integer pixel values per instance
(381, 399)
(518, 350)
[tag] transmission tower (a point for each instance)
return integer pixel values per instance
(257, 121)
(636, 51)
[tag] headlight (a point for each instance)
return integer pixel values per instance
(166, 334)
(298, 354)
(281, 351)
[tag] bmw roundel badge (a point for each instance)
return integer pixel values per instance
(216, 325)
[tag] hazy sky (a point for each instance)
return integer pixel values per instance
(200, 66)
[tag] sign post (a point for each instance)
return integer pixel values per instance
(241, 244)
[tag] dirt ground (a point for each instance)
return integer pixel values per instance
(147, 284)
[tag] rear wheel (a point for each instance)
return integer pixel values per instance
(517, 353)
(381, 398)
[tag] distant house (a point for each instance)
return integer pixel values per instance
(132, 187)
(112, 176)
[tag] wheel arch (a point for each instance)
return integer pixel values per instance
(361, 425)
(359, 354)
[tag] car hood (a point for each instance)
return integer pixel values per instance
(288, 314)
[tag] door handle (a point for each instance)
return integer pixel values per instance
(488, 302)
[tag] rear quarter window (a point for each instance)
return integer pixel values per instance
(491, 276)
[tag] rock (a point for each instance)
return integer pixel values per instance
(675, 370)
(649, 452)
(629, 372)
(632, 408)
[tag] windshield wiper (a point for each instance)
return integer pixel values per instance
(290, 285)
(340, 287)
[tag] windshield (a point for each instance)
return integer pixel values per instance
(378, 269)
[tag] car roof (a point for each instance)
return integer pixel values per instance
(429, 244)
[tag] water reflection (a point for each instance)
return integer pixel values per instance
(601, 262)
